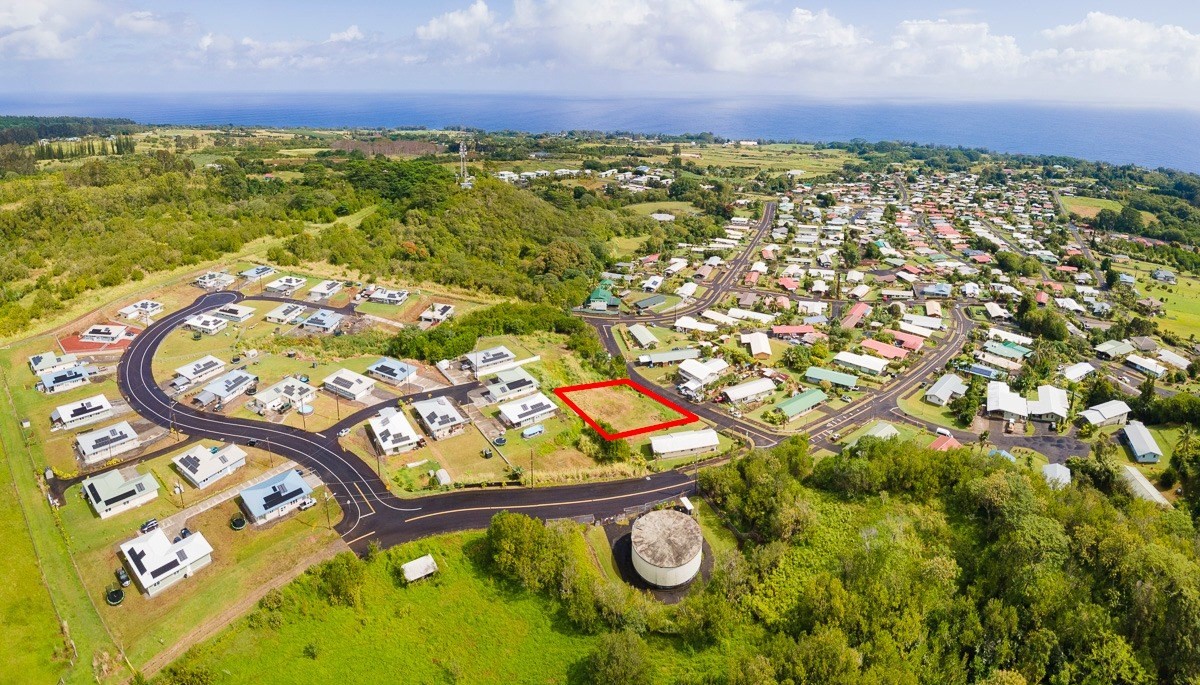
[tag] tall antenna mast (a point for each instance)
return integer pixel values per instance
(464, 179)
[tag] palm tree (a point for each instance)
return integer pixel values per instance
(983, 437)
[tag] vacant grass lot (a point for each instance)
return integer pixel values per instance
(1181, 301)
(666, 207)
(622, 407)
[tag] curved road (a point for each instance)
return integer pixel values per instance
(371, 512)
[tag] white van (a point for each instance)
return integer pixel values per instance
(943, 431)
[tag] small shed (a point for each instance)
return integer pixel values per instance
(417, 569)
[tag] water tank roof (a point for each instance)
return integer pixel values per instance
(667, 538)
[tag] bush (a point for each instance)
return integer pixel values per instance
(619, 659)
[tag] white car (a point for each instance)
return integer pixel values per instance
(343, 432)
(307, 503)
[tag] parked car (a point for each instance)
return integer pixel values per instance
(307, 503)
(942, 431)
(184, 532)
(343, 432)
(149, 526)
(123, 577)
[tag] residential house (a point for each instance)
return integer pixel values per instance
(388, 296)
(51, 362)
(257, 273)
(81, 413)
(1052, 405)
(943, 443)
(642, 336)
(1114, 349)
(348, 384)
(527, 411)
(750, 391)
(286, 285)
(67, 379)
(237, 313)
(324, 290)
(286, 394)
(225, 388)
(391, 371)
(1057, 476)
(392, 433)
(758, 343)
(697, 374)
(1163, 275)
(141, 310)
(1143, 445)
(105, 443)
(510, 384)
(103, 334)
(861, 363)
(287, 313)
(1172, 359)
(437, 313)
(1146, 366)
(202, 466)
(323, 321)
(855, 315)
(816, 374)
(490, 359)
(1141, 486)
(801, 403)
(157, 562)
(669, 356)
(274, 497)
(1077, 372)
(112, 492)
(206, 324)
(1003, 403)
(214, 280)
(684, 443)
(884, 349)
(198, 371)
(945, 389)
(1110, 413)
(440, 417)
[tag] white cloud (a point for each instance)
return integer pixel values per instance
(350, 34)
(142, 22)
(45, 29)
(1106, 44)
(922, 47)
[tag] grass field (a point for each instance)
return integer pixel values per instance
(914, 405)
(461, 626)
(622, 407)
(1089, 207)
(1181, 302)
(667, 207)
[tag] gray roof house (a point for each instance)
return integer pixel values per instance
(1145, 449)
(202, 466)
(945, 389)
(111, 492)
(440, 417)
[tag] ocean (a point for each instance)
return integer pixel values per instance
(1148, 137)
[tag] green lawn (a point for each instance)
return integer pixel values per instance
(914, 405)
(1181, 301)
(668, 207)
(462, 625)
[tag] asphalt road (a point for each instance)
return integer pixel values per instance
(372, 513)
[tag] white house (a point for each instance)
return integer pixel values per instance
(51, 362)
(81, 412)
(105, 443)
(684, 443)
(324, 290)
(1110, 413)
(642, 336)
(287, 313)
(215, 280)
(652, 284)
(202, 466)
(322, 321)
(392, 433)
(158, 563)
(1146, 366)
(287, 393)
(509, 384)
(527, 411)
(141, 310)
(111, 493)
(200, 370)
(391, 370)
(861, 362)
(275, 497)
(1057, 476)
(750, 391)
(437, 312)
(206, 324)
(945, 389)
(702, 373)
(257, 273)
(225, 387)
(492, 358)
(387, 296)
(286, 285)
(103, 334)
(346, 383)
(67, 379)
(1051, 405)
(1076, 372)
(1004, 403)
(440, 417)
(234, 312)
(758, 343)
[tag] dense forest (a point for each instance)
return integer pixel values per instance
(26, 130)
(892, 563)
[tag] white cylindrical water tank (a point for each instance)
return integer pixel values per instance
(667, 548)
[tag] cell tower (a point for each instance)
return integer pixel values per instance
(465, 181)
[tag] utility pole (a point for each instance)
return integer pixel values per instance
(337, 400)
(328, 516)
(531, 468)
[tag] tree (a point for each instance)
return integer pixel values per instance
(524, 549)
(619, 659)
(983, 438)
(341, 579)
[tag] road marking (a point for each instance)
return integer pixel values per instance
(365, 501)
(550, 504)
(360, 537)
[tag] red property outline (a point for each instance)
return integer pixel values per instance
(686, 416)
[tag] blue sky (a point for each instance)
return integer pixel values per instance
(1108, 53)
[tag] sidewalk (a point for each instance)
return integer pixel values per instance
(174, 522)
